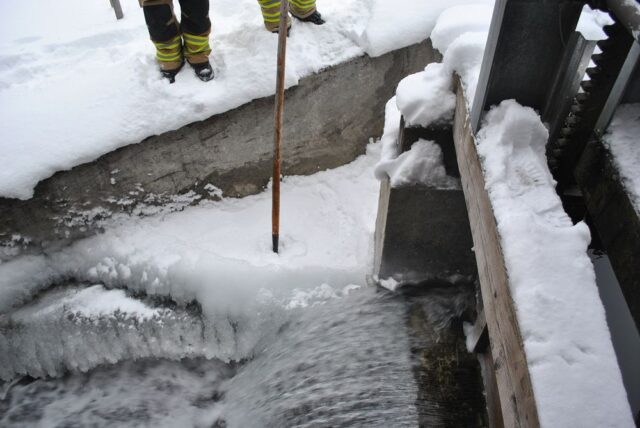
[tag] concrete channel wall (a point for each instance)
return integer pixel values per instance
(329, 118)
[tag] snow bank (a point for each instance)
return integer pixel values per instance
(575, 376)
(622, 140)
(404, 22)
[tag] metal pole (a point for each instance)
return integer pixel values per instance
(115, 4)
(279, 114)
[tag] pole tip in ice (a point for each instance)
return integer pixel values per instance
(275, 239)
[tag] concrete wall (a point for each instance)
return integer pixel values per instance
(329, 118)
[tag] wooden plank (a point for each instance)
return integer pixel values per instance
(492, 397)
(512, 372)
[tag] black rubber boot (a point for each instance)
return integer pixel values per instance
(203, 71)
(314, 18)
(170, 75)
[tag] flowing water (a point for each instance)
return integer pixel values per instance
(371, 358)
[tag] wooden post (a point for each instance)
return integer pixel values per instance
(279, 120)
(517, 401)
(117, 8)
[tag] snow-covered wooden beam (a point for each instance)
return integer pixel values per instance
(515, 392)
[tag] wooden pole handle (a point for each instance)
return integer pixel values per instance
(279, 120)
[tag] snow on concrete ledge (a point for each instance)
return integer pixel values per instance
(76, 84)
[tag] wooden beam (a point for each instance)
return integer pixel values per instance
(492, 397)
(517, 400)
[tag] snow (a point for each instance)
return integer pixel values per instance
(219, 254)
(622, 139)
(458, 20)
(573, 366)
(426, 97)
(422, 164)
(389, 140)
(591, 22)
(75, 83)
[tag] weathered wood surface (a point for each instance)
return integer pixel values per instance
(492, 397)
(511, 370)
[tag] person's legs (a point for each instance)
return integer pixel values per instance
(305, 10)
(271, 14)
(196, 27)
(302, 8)
(165, 35)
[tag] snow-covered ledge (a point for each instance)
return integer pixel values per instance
(554, 361)
(329, 119)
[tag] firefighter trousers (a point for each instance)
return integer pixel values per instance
(189, 38)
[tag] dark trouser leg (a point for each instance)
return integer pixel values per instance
(164, 32)
(196, 26)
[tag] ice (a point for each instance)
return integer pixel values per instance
(77, 328)
(217, 255)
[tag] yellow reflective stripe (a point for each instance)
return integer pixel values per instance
(196, 48)
(168, 57)
(193, 37)
(197, 51)
(202, 43)
(271, 15)
(168, 47)
(303, 2)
